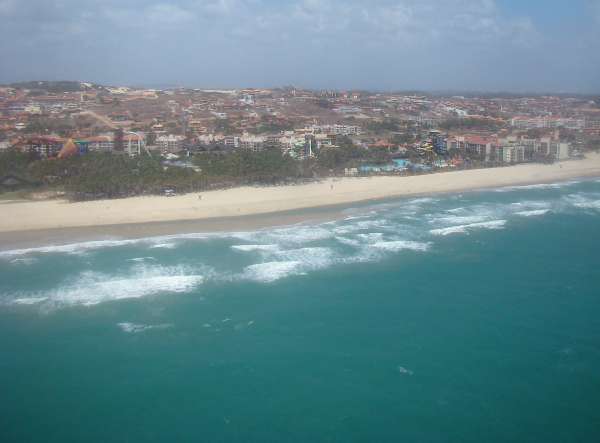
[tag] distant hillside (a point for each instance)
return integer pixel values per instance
(55, 86)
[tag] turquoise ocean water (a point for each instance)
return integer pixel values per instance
(458, 318)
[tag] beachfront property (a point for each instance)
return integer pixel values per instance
(429, 132)
(511, 149)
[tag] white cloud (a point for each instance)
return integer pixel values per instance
(357, 39)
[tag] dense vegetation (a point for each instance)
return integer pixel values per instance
(51, 86)
(105, 175)
(100, 175)
(347, 154)
(15, 163)
(471, 123)
(389, 124)
(268, 166)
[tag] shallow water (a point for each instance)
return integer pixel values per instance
(434, 319)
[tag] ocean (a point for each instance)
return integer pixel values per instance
(470, 317)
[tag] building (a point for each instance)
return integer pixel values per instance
(100, 143)
(252, 143)
(170, 143)
(45, 146)
(336, 129)
(547, 123)
(231, 141)
(512, 149)
(592, 126)
(438, 142)
(528, 149)
(473, 145)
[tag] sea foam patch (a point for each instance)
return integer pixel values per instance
(533, 213)
(254, 248)
(165, 241)
(91, 288)
(74, 248)
(542, 186)
(376, 233)
(272, 271)
(401, 245)
(463, 229)
(584, 201)
(136, 328)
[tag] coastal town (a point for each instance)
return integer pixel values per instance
(328, 133)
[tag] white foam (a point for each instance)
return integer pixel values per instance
(371, 237)
(272, 271)
(358, 217)
(422, 200)
(461, 229)
(348, 241)
(141, 259)
(404, 371)
(583, 201)
(310, 258)
(29, 300)
(460, 219)
(361, 224)
(293, 235)
(164, 246)
(91, 288)
(23, 261)
(74, 248)
(538, 186)
(134, 328)
(82, 247)
(252, 248)
(400, 245)
(533, 213)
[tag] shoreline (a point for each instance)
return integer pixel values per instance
(26, 224)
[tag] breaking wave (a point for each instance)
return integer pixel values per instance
(135, 328)
(584, 201)
(402, 245)
(462, 229)
(533, 213)
(253, 248)
(368, 234)
(557, 185)
(272, 271)
(90, 288)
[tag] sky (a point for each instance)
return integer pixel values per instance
(436, 45)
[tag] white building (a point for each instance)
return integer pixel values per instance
(170, 143)
(336, 129)
(254, 143)
(547, 123)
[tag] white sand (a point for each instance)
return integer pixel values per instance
(26, 216)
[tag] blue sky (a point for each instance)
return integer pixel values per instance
(496, 45)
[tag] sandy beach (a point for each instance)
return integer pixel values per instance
(239, 203)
